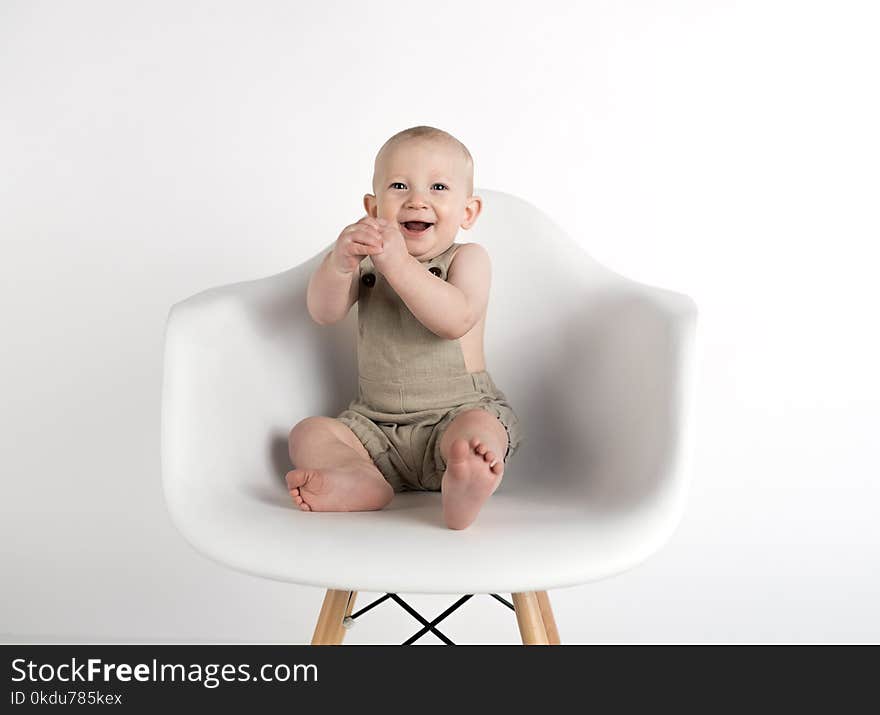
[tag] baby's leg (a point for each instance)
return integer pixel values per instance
(333, 471)
(473, 445)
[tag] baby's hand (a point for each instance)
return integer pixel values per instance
(356, 241)
(394, 251)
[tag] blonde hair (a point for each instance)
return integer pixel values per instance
(431, 134)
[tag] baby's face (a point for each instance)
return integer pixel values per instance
(428, 181)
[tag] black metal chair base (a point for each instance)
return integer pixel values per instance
(348, 622)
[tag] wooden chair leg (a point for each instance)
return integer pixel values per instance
(337, 605)
(547, 617)
(529, 619)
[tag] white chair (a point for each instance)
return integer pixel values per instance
(597, 366)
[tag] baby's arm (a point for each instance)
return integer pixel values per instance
(333, 287)
(331, 292)
(452, 307)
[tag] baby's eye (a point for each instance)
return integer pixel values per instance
(443, 185)
(397, 183)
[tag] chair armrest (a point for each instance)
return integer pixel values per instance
(243, 363)
(627, 394)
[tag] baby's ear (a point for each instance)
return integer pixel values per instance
(472, 209)
(370, 205)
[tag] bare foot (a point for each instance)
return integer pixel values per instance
(472, 475)
(345, 488)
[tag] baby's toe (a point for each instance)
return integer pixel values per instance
(489, 457)
(481, 448)
(459, 451)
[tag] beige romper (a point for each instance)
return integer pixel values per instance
(411, 385)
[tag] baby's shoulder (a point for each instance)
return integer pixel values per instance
(469, 254)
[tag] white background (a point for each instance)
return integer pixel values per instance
(727, 150)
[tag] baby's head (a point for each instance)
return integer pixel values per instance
(424, 174)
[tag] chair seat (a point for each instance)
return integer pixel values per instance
(524, 540)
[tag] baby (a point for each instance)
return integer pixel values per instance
(428, 415)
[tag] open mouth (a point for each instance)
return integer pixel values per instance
(416, 228)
